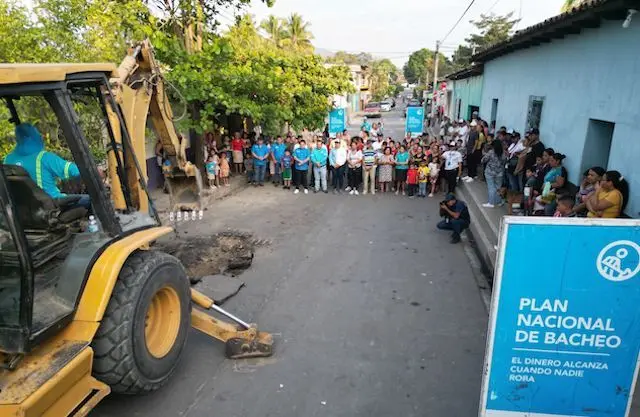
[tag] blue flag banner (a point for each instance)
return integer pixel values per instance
(336, 121)
(415, 120)
(564, 329)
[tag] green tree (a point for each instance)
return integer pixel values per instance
(341, 57)
(461, 58)
(274, 27)
(421, 65)
(492, 29)
(297, 33)
(383, 75)
(570, 4)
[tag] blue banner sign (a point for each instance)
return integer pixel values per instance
(564, 330)
(415, 120)
(336, 121)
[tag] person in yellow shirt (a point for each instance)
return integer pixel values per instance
(423, 178)
(610, 197)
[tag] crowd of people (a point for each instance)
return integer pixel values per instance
(363, 164)
(522, 170)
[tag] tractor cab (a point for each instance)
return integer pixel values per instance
(60, 127)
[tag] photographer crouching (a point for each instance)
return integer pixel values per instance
(456, 216)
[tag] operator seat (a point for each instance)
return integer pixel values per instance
(45, 220)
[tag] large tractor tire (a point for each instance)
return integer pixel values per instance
(144, 329)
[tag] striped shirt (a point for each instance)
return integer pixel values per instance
(369, 157)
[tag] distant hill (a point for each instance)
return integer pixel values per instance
(325, 53)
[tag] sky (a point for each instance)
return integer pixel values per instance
(395, 28)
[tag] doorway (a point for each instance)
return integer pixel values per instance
(597, 144)
(494, 111)
(458, 106)
(471, 110)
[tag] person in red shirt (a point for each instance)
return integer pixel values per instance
(237, 145)
(412, 180)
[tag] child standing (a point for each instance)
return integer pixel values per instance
(212, 170)
(423, 178)
(248, 167)
(434, 171)
(224, 169)
(412, 179)
(285, 164)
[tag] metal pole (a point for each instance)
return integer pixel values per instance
(435, 80)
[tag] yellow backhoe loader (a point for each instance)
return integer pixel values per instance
(86, 307)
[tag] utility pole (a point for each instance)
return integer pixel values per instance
(435, 80)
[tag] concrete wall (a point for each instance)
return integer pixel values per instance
(592, 75)
(469, 91)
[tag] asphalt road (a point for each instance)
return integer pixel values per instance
(374, 313)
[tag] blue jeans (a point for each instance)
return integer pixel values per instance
(515, 182)
(320, 177)
(494, 182)
(423, 189)
(457, 225)
(259, 171)
(84, 202)
(277, 175)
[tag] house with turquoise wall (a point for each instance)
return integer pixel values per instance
(466, 87)
(576, 77)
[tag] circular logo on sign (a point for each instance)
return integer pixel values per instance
(419, 112)
(619, 260)
(339, 112)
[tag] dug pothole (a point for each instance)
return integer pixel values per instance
(226, 253)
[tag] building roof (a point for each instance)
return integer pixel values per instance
(471, 71)
(588, 14)
(33, 73)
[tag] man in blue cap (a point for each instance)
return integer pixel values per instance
(45, 168)
(456, 216)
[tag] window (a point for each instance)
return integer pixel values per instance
(534, 113)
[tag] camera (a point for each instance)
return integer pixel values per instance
(443, 212)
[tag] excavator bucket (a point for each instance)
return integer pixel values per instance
(185, 192)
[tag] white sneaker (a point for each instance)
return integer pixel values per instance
(397, 192)
(465, 178)
(403, 193)
(430, 194)
(469, 180)
(306, 191)
(296, 191)
(348, 189)
(373, 192)
(356, 192)
(364, 192)
(351, 192)
(488, 205)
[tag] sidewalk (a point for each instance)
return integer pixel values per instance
(485, 222)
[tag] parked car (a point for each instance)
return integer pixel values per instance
(372, 109)
(385, 106)
(412, 103)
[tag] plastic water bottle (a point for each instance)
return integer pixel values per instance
(93, 225)
(193, 215)
(201, 214)
(171, 216)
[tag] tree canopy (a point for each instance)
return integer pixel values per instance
(491, 29)
(421, 65)
(218, 73)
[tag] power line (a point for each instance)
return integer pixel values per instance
(459, 20)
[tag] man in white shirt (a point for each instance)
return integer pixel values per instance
(452, 166)
(463, 132)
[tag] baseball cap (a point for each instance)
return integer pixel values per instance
(460, 121)
(452, 143)
(449, 197)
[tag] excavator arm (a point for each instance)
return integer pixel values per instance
(140, 91)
